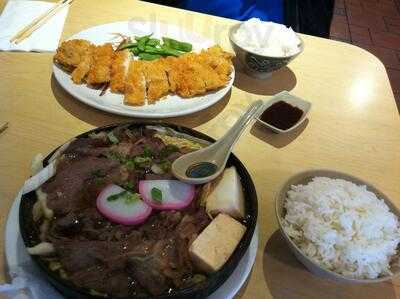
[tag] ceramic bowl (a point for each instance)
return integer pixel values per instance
(304, 178)
(260, 66)
(285, 96)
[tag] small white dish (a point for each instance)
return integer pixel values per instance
(285, 96)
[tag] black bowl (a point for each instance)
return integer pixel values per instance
(30, 231)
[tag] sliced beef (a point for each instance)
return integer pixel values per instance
(148, 132)
(192, 224)
(119, 284)
(163, 176)
(165, 265)
(155, 144)
(136, 150)
(173, 156)
(118, 260)
(92, 277)
(64, 190)
(159, 225)
(131, 135)
(69, 224)
(103, 280)
(95, 226)
(123, 149)
(88, 147)
(148, 269)
(77, 255)
(118, 175)
(120, 132)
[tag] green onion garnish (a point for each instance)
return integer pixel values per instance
(156, 194)
(116, 196)
(112, 138)
(131, 197)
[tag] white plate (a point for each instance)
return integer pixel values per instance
(20, 264)
(172, 105)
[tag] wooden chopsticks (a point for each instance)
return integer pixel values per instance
(3, 127)
(39, 21)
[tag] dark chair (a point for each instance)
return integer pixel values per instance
(305, 16)
(309, 16)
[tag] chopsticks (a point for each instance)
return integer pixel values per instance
(39, 21)
(3, 127)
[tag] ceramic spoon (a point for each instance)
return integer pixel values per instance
(204, 165)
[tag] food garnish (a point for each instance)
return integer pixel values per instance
(147, 48)
(174, 44)
(116, 196)
(156, 194)
(121, 206)
(112, 138)
(166, 194)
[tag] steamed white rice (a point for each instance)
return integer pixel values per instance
(342, 226)
(267, 38)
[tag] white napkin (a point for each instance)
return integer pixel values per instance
(17, 14)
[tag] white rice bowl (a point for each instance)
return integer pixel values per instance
(267, 38)
(342, 227)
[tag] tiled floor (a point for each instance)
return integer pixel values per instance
(375, 26)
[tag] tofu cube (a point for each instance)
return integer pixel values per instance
(216, 243)
(227, 196)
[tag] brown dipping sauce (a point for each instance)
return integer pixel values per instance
(281, 115)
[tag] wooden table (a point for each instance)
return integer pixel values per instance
(353, 127)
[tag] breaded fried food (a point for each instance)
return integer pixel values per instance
(80, 72)
(193, 74)
(119, 71)
(219, 60)
(169, 63)
(204, 71)
(183, 78)
(156, 80)
(142, 81)
(135, 84)
(100, 69)
(71, 52)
